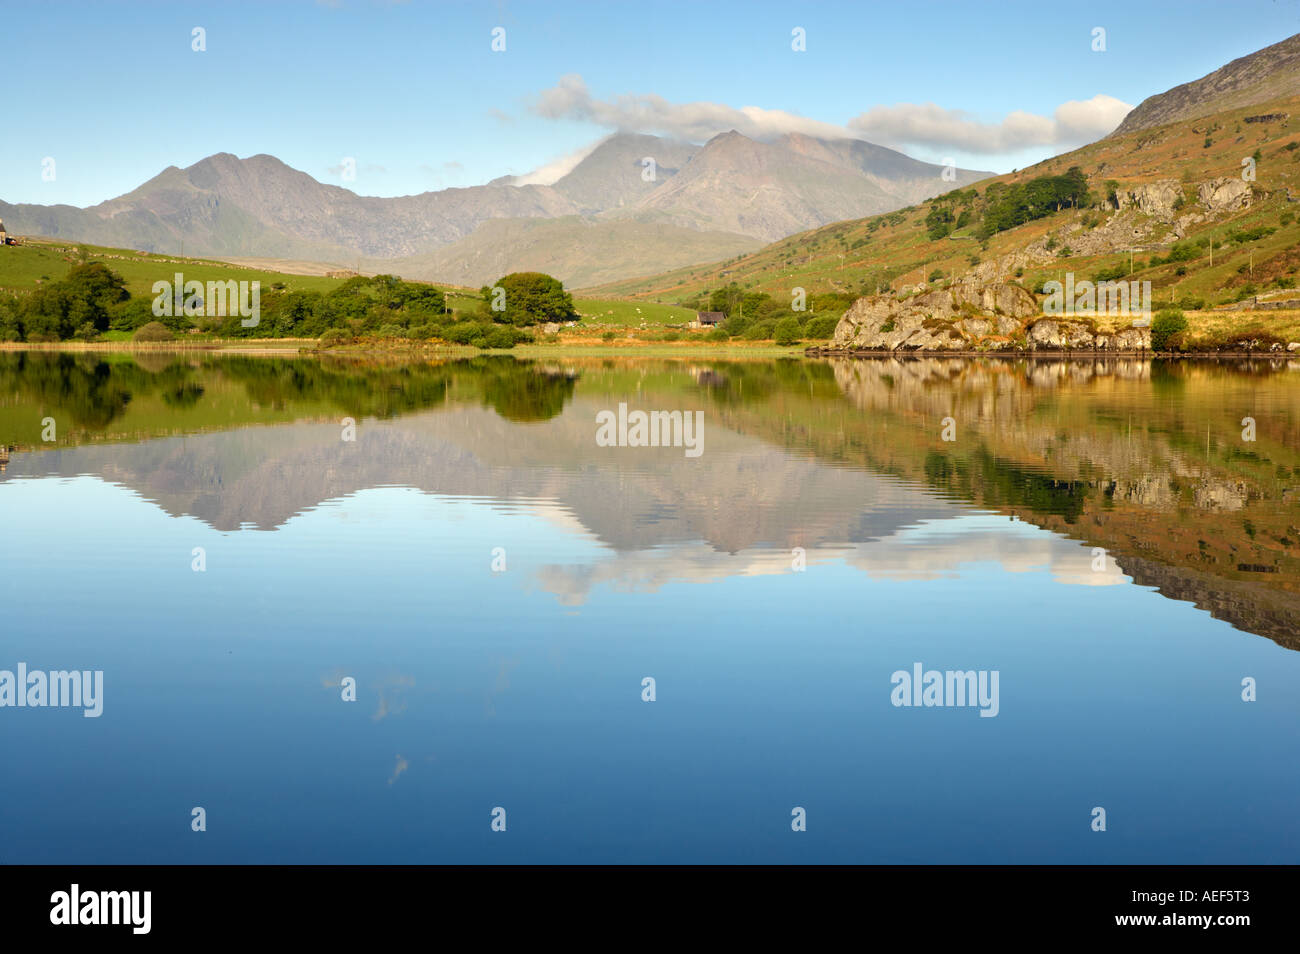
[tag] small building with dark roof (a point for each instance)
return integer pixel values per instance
(708, 319)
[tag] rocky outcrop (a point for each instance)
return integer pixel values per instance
(1224, 194)
(1153, 198)
(950, 319)
(971, 317)
(1057, 334)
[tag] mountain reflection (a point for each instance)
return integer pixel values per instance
(846, 459)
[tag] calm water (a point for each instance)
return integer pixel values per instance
(499, 585)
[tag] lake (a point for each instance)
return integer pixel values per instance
(373, 612)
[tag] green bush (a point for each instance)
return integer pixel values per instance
(736, 326)
(786, 332)
(821, 327)
(154, 331)
(334, 336)
(463, 332)
(1165, 326)
(759, 331)
(500, 337)
(717, 334)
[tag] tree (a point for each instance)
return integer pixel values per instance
(529, 298)
(94, 289)
(1167, 330)
(87, 295)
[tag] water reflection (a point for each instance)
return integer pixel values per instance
(1144, 460)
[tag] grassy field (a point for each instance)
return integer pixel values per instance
(23, 267)
(631, 313)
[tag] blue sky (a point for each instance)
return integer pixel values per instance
(414, 94)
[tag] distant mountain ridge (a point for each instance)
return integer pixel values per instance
(730, 192)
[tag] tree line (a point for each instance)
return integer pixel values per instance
(92, 299)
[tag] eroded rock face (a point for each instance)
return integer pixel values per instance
(950, 319)
(1154, 198)
(1051, 334)
(1057, 334)
(1224, 194)
(969, 317)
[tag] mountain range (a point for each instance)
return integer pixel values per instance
(694, 203)
(1213, 160)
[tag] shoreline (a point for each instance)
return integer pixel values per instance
(305, 347)
(1056, 353)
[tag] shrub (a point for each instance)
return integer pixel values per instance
(608, 336)
(153, 331)
(735, 326)
(501, 336)
(334, 336)
(759, 331)
(717, 334)
(936, 275)
(821, 327)
(463, 332)
(1166, 324)
(786, 332)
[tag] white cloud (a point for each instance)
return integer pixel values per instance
(557, 169)
(1074, 123)
(693, 122)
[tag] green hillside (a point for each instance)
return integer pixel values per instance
(1256, 250)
